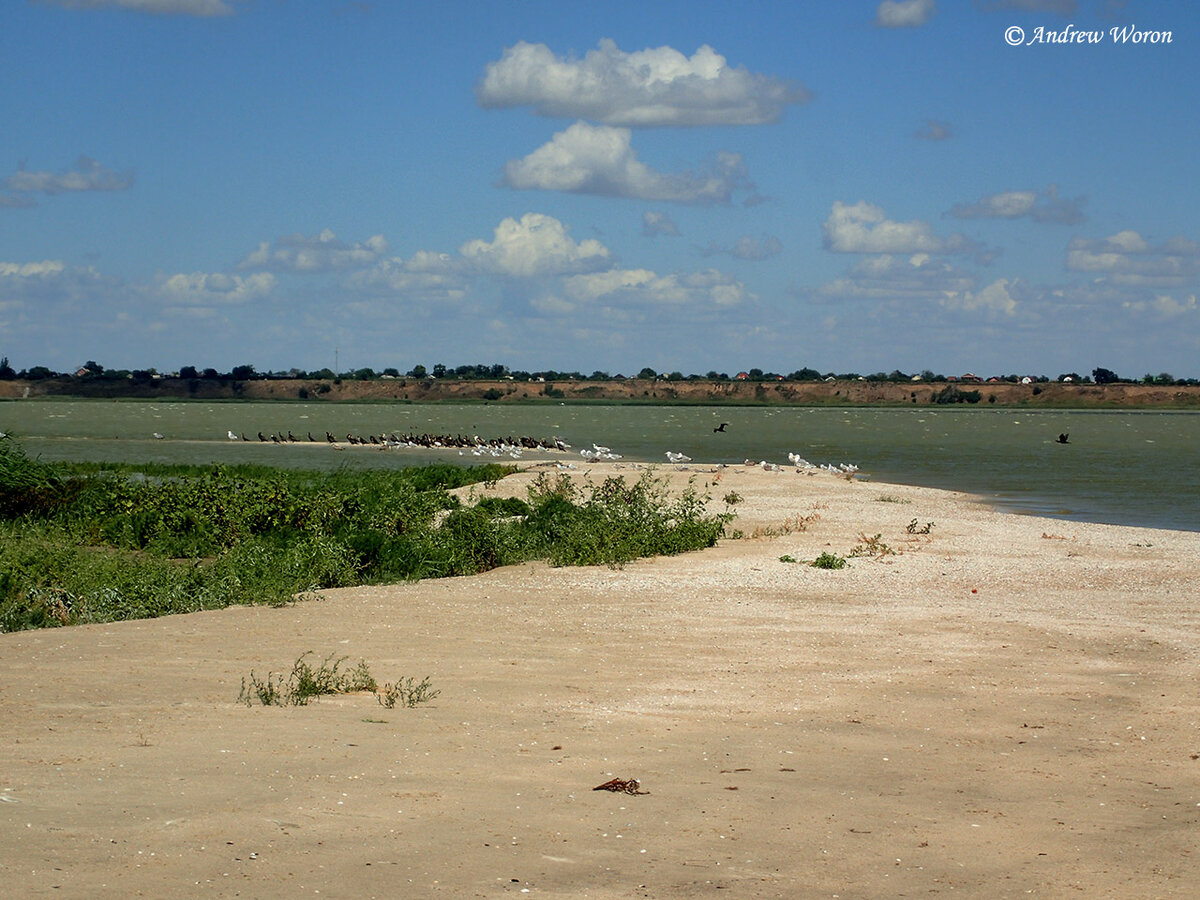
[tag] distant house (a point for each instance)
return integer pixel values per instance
(742, 376)
(971, 376)
(82, 372)
(1026, 380)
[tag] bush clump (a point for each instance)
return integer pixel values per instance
(85, 543)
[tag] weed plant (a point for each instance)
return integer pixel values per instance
(305, 683)
(406, 692)
(88, 543)
(829, 560)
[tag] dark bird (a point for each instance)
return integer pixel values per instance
(260, 436)
(1062, 439)
(720, 427)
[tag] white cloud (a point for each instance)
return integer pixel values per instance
(87, 175)
(887, 277)
(427, 276)
(1046, 207)
(995, 298)
(44, 269)
(598, 159)
(536, 245)
(658, 223)
(214, 289)
(1164, 304)
(199, 8)
(707, 288)
(651, 87)
(1127, 258)
(320, 253)
(865, 228)
(51, 280)
(904, 13)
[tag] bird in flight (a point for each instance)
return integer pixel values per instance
(720, 427)
(1062, 438)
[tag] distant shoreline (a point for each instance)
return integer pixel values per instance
(1050, 395)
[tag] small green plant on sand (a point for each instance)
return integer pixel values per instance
(873, 547)
(788, 558)
(305, 683)
(829, 560)
(406, 692)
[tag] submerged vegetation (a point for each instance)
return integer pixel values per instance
(84, 543)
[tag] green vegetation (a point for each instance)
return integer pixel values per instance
(872, 547)
(83, 543)
(828, 560)
(305, 684)
(407, 692)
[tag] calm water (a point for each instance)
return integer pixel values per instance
(1134, 468)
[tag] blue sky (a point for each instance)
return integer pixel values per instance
(691, 186)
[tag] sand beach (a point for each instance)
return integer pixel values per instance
(1002, 706)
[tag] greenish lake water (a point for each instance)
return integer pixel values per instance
(1132, 468)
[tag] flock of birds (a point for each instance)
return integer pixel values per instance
(515, 446)
(477, 446)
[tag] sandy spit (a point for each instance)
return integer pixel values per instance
(1004, 706)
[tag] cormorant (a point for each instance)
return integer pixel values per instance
(1062, 439)
(720, 427)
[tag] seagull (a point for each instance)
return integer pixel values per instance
(232, 436)
(1062, 438)
(720, 427)
(158, 436)
(678, 457)
(799, 461)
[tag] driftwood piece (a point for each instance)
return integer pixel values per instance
(621, 786)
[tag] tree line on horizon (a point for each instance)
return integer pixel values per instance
(93, 370)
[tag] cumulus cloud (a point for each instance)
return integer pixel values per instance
(427, 276)
(904, 13)
(706, 288)
(1046, 207)
(888, 277)
(599, 160)
(658, 223)
(320, 253)
(1127, 258)
(214, 289)
(535, 245)
(1164, 305)
(87, 175)
(50, 279)
(748, 248)
(198, 8)
(865, 228)
(652, 87)
(996, 299)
